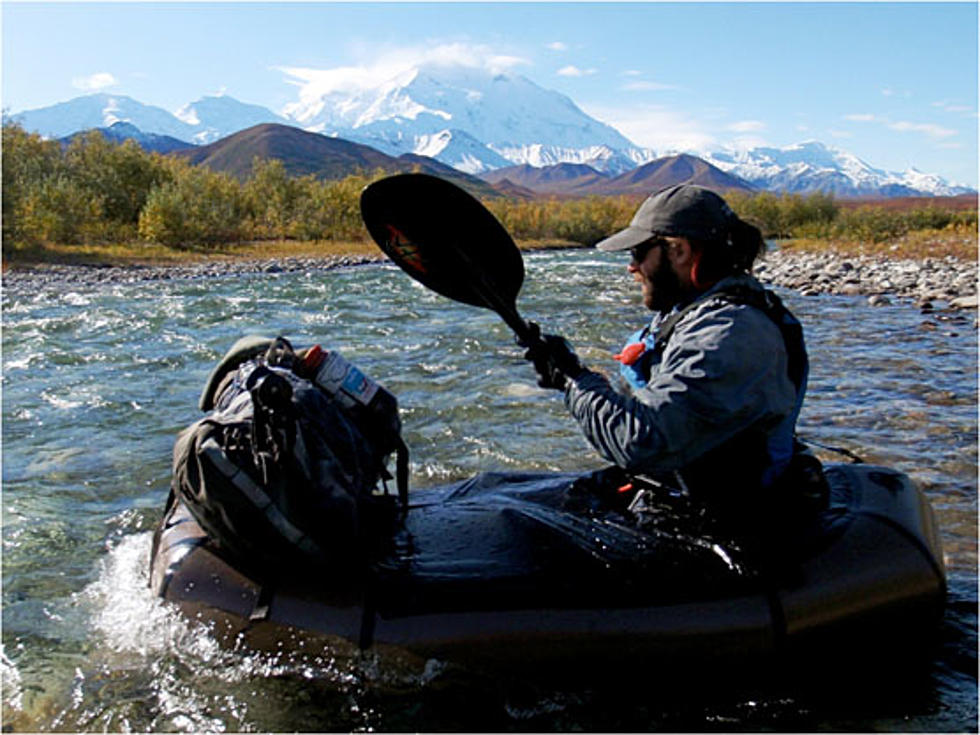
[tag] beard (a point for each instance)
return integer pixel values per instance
(663, 290)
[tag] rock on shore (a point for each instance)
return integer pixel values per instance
(928, 283)
(48, 274)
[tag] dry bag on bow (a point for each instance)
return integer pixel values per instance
(286, 466)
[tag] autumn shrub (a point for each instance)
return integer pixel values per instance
(91, 190)
(197, 207)
(58, 209)
(29, 162)
(874, 224)
(330, 210)
(524, 220)
(119, 175)
(783, 215)
(272, 198)
(584, 221)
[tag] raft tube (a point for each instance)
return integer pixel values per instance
(497, 568)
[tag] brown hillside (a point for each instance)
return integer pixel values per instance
(301, 152)
(578, 180)
(562, 178)
(304, 153)
(514, 191)
(668, 171)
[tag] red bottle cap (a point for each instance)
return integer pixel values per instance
(314, 356)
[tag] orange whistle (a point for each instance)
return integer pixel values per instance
(631, 353)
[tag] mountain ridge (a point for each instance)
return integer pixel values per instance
(122, 131)
(441, 117)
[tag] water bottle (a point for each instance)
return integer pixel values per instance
(355, 391)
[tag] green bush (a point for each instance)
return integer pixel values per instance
(272, 198)
(28, 161)
(783, 215)
(330, 210)
(58, 209)
(584, 221)
(198, 207)
(587, 221)
(875, 224)
(121, 176)
(89, 191)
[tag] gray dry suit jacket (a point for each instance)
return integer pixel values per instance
(718, 404)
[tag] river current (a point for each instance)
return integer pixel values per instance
(97, 381)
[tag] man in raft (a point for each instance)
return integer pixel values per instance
(716, 378)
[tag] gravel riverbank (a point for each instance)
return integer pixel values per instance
(46, 275)
(930, 283)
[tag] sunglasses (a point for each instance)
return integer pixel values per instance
(640, 252)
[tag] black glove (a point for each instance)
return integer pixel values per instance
(553, 358)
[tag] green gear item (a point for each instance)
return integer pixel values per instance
(244, 349)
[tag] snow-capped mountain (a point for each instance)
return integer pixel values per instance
(101, 111)
(218, 116)
(203, 121)
(602, 158)
(813, 166)
(460, 150)
(514, 119)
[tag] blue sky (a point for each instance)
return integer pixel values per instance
(894, 83)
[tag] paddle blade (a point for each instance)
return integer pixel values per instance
(445, 239)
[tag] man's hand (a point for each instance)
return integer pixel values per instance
(553, 359)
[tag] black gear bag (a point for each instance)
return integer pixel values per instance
(283, 470)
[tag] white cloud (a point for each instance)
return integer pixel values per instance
(840, 133)
(889, 92)
(95, 82)
(747, 126)
(557, 46)
(574, 71)
(645, 86)
(902, 126)
(950, 106)
(655, 126)
(747, 142)
(314, 84)
(933, 131)
(632, 73)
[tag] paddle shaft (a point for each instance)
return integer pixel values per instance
(507, 311)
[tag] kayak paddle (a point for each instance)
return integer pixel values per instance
(449, 242)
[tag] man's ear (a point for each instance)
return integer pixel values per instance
(681, 253)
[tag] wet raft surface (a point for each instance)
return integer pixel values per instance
(509, 567)
(505, 541)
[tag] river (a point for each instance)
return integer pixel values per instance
(97, 380)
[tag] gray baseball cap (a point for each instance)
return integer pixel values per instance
(684, 210)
